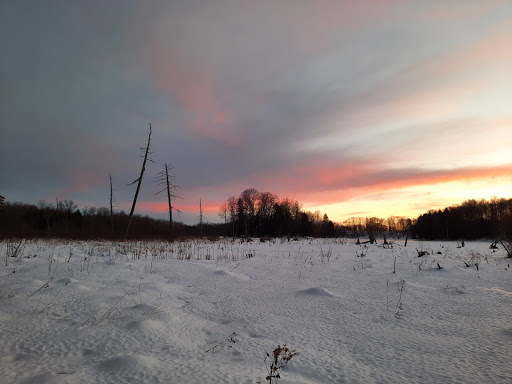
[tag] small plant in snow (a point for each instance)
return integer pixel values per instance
(421, 252)
(230, 339)
(363, 252)
(325, 256)
(399, 305)
(278, 360)
(14, 248)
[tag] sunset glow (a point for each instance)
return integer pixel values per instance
(352, 108)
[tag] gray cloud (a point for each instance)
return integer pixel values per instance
(234, 90)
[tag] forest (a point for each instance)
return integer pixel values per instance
(255, 214)
(252, 214)
(473, 219)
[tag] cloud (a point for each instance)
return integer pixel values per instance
(329, 183)
(320, 101)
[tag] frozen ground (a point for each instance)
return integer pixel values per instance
(101, 312)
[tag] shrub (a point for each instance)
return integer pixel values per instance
(278, 361)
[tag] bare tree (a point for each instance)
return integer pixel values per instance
(266, 209)
(266, 201)
(247, 207)
(231, 206)
(111, 203)
(223, 211)
(69, 207)
(200, 217)
(139, 180)
(47, 210)
(163, 179)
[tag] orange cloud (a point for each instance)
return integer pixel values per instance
(331, 183)
(207, 207)
(149, 206)
(355, 184)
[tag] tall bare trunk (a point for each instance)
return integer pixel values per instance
(200, 218)
(164, 180)
(169, 199)
(111, 204)
(139, 181)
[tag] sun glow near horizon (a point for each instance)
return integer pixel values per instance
(414, 200)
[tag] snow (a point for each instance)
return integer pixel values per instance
(147, 312)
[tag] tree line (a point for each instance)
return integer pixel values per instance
(255, 213)
(63, 219)
(373, 227)
(473, 219)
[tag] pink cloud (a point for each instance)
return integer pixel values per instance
(194, 88)
(490, 50)
(160, 207)
(325, 183)
(82, 182)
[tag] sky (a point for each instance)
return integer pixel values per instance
(356, 109)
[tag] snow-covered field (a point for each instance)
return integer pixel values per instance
(103, 312)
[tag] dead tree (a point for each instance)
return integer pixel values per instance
(163, 179)
(111, 203)
(508, 247)
(139, 181)
(200, 218)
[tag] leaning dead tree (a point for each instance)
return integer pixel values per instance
(508, 247)
(139, 180)
(163, 179)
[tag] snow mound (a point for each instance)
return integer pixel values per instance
(150, 321)
(144, 325)
(316, 292)
(506, 333)
(234, 275)
(48, 378)
(127, 363)
(128, 369)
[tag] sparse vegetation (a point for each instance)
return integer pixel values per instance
(276, 361)
(13, 249)
(229, 340)
(399, 309)
(62, 266)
